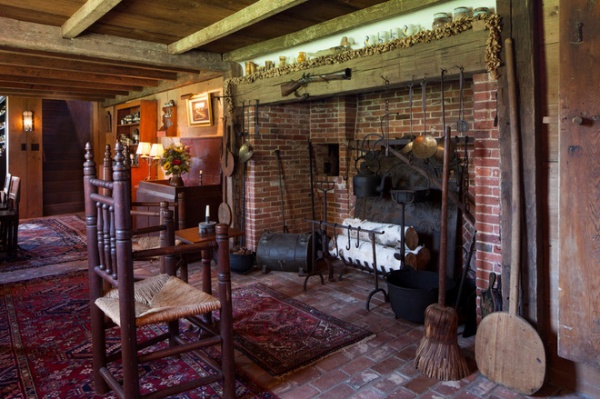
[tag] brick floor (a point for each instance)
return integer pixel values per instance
(380, 367)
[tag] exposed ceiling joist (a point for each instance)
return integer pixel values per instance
(75, 76)
(67, 84)
(250, 15)
(58, 63)
(86, 16)
(50, 95)
(38, 37)
(376, 13)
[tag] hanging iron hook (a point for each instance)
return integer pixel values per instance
(335, 237)
(357, 237)
(348, 246)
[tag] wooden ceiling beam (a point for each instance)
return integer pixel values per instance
(56, 63)
(7, 85)
(376, 13)
(97, 61)
(247, 16)
(38, 37)
(52, 95)
(86, 16)
(75, 76)
(68, 83)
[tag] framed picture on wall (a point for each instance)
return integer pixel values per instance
(200, 110)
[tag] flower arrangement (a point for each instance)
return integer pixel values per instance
(176, 159)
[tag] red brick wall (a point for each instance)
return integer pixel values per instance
(486, 184)
(342, 121)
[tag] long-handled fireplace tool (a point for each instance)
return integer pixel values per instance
(284, 228)
(438, 355)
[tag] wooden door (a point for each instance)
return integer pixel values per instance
(579, 158)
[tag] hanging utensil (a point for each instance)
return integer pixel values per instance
(243, 207)
(461, 125)
(425, 145)
(227, 158)
(408, 147)
(312, 186)
(224, 212)
(441, 147)
(282, 199)
(246, 151)
(256, 124)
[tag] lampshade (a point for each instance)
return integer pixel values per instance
(143, 149)
(156, 151)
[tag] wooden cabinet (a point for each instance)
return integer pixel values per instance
(3, 136)
(136, 122)
(3, 124)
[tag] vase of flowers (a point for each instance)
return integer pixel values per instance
(176, 160)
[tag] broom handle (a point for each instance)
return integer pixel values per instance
(444, 221)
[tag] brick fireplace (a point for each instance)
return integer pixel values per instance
(336, 127)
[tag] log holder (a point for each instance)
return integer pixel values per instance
(328, 257)
(403, 197)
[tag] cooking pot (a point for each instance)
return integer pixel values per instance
(367, 183)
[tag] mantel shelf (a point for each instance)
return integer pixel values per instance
(386, 70)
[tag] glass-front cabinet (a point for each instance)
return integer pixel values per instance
(3, 136)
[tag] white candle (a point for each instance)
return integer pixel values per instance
(207, 212)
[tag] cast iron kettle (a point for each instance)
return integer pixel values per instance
(367, 183)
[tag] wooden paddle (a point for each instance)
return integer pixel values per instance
(224, 212)
(508, 350)
(227, 159)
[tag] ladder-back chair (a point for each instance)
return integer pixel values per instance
(148, 210)
(9, 217)
(5, 191)
(116, 296)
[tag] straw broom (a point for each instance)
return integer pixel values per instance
(438, 355)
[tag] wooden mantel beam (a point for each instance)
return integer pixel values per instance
(86, 16)
(341, 24)
(250, 15)
(386, 70)
(37, 37)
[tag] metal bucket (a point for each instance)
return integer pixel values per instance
(285, 252)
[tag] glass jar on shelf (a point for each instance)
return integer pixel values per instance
(481, 12)
(461, 12)
(440, 19)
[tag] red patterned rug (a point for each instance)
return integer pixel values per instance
(45, 349)
(45, 241)
(282, 334)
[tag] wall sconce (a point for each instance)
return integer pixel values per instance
(28, 121)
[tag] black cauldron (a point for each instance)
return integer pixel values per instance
(411, 291)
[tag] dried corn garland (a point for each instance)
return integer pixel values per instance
(492, 52)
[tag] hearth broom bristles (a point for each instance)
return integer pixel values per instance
(439, 355)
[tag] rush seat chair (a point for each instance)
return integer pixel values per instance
(118, 300)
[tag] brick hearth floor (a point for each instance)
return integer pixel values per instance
(381, 367)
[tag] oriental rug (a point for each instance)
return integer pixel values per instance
(45, 349)
(46, 241)
(282, 334)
